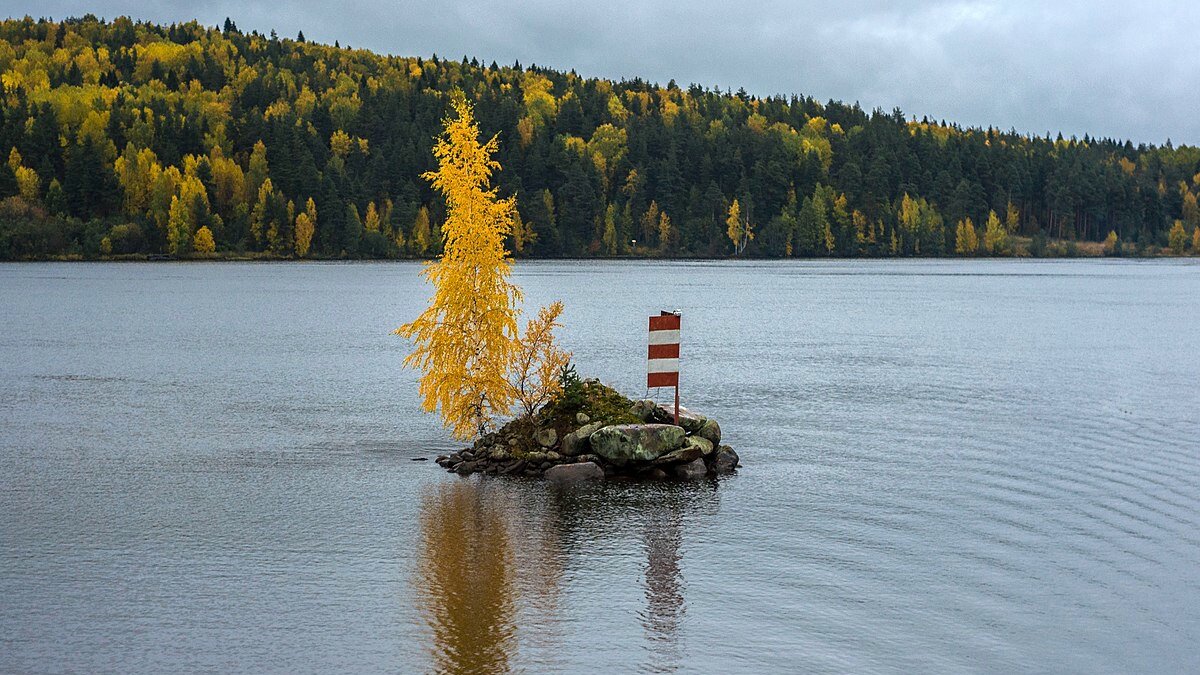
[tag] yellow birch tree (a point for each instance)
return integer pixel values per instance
(534, 377)
(734, 227)
(966, 241)
(1112, 243)
(203, 243)
(306, 226)
(420, 232)
(465, 340)
(995, 238)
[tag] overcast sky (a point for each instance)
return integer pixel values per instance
(1108, 68)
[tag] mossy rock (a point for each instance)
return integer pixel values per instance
(600, 403)
(630, 443)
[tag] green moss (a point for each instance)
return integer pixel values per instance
(599, 402)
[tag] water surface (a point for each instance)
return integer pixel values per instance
(949, 466)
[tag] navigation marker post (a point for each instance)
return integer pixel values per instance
(662, 362)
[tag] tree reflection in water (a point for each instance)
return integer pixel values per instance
(494, 555)
(466, 579)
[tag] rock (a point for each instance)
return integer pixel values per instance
(687, 453)
(725, 460)
(654, 473)
(500, 454)
(690, 421)
(513, 467)
(465, 468)
(588, 458)
(650, 412)
(546, 437)
(467, 456)
(512, 442)
(621, 444)
(535, 457)
(553, 456)
(567, 474)
(582, 418)
(575, 442)
(706, 448)
(711, 431)
(691, 470)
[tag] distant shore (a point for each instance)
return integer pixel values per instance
(1065, 250)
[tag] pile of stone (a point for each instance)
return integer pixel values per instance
(655, 448)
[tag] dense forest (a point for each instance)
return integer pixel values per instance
(130, 138)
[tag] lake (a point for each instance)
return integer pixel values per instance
(976, 466)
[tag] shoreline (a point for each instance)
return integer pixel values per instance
(243, 258)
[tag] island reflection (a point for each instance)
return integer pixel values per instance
(495, 555)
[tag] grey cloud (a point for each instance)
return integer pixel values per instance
(1127, 70)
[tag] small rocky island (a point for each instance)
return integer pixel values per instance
(589, 431)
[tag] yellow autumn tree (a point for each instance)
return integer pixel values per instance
(28, 183)
(1177, 238)
(1112, 243)
(306, 225)
(966, 241)
(995, 238)
(464, 342)
(736, 227)
(522, 233)
(534, 377)
(665, 231)
(371, 221)
(203, 243)
(420, 232)
(1012, 219)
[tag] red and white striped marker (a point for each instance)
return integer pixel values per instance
(662, 362)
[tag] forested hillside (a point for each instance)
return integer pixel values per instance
(125, 137)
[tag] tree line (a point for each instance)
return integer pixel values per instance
(125, 137)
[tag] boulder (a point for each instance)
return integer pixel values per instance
(650, 412)
(546, 437)
(688, 453)
(705, 447)
(691, 470)
(575, 442)
(690, 421)
(513, 467)
(725, 460)
(567, 474)
(711, 431)
(621, 444)
(582, 418)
